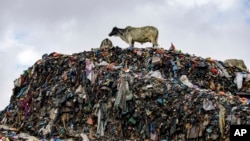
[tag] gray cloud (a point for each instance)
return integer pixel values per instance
(208, 28)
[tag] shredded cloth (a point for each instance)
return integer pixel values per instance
(222, 119)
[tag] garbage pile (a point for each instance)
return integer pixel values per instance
(127, 94)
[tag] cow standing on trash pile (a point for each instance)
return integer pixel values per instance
(138, 34)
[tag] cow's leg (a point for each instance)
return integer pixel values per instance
(154, 42)
(130, 44)
(130, 41)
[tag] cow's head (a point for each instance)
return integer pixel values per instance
(115, 31)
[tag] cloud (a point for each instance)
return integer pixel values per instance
(209, 28)
(8, 74)
(27, 57)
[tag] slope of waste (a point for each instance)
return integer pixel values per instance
(126, 94)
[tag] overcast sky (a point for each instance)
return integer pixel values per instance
(219, 29)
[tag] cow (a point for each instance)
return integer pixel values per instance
(106, 43)
(136, 34)
(238, 63)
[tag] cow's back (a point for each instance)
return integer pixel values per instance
(142, 34)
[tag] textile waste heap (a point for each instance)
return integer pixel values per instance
(127, 93)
